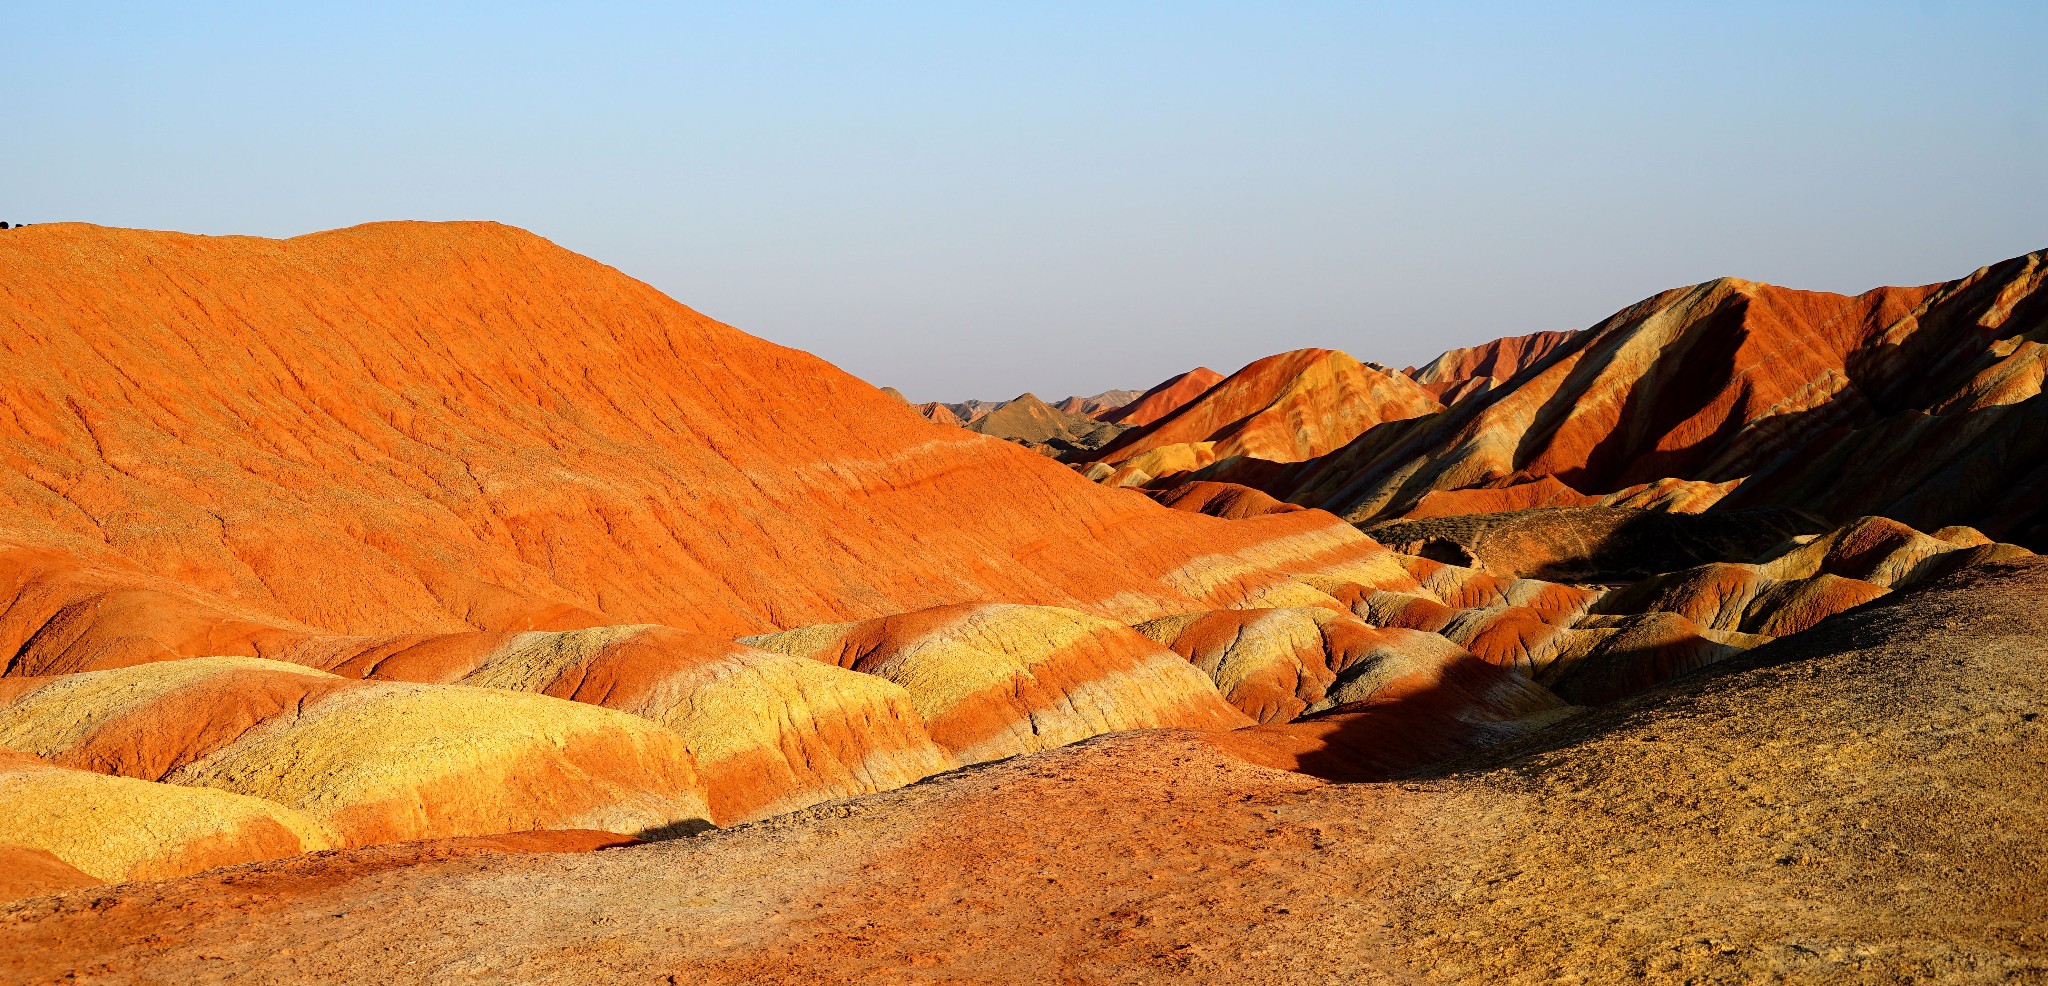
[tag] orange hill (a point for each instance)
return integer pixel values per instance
(1283, 408)
(1163, 399)
(1462, 373)
(435, 427)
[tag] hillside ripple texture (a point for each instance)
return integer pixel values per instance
(436, 427)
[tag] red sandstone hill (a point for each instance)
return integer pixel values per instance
(414, 427)
(1283, 408)
(1462, 373)
(1922, 404)
(1163, 399)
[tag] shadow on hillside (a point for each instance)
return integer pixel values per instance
(1596, 544)
(1423, 739)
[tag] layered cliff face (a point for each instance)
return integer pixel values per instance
(1283, 408)
(1914, 403)
(414, 427)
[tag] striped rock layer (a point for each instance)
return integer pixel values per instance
(365, 761)
(993, 681)
(1277, 665)
(768, 732)
(1283, 408)
(1166, 397)
(67, 827)
(1474, 370)
(1921, 404)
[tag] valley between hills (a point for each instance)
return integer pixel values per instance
(424, 602)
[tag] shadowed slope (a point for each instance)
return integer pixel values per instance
(469, 427)
(1597, 544)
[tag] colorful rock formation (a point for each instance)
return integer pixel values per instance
(1919, 404)
(938, 414)
(1474, 370)
(1098, 405)
(769, 733)
(1283, 408)
(366, 761)
(1166, 397)
(63, 828)
(420, 532)
(993, 681)
(1226, 500)
(1277, 665)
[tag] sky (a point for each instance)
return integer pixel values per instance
(980, 199)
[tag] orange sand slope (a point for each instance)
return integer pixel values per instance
(413, 427)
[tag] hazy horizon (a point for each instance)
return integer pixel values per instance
(975, 203)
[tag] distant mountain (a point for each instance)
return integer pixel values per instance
(1033, 423)
(1098, 405)
(1165, 398)
(1922, 404)
(1283, 408)
(1462, 373)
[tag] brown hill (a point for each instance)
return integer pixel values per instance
(411, 427)
(1675, 837)
(1098, 405)
(1035, 424)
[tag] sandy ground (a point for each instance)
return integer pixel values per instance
(1861, 803)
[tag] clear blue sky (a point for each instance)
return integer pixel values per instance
(973, 200)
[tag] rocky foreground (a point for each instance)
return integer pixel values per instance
(1860, 803)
